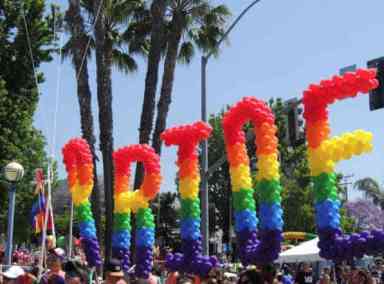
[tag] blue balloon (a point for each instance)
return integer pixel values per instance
(327, 214)
(271, 216)
(121, 239)
(245, 220)
(88, 229)
(190, 228)
(145, 237)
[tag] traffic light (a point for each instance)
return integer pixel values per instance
(294, 122)
(376, 96)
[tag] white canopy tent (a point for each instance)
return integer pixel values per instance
(305, 252)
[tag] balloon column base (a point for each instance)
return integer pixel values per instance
(144, 260)
(339, 247)
(259, 251)
(92, 251)
(198, 265)
(123, 254)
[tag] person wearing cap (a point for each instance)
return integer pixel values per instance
(114, 272)
(11, 275)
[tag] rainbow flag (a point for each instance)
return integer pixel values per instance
(39, 206)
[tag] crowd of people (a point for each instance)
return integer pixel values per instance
(58, 269)
(75, 271)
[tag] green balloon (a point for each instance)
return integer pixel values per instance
(243, 199)
(144, 218)
(83, 212)
(60, 242)
(268, 191)
(122, 221)
(324, 186)
(190, 208)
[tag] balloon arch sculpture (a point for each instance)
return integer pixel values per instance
(259, 238)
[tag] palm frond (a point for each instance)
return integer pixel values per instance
(67, 50)
(120, 12)
(199, 11)
(123, 61)
(186, 52)
(87, 6)
(371, 189)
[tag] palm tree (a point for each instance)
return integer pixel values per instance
(371, 190)
(110, 18)
(76, 49)
(148, 111)
(194, 23)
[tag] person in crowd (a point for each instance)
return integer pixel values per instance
(269, 274)
(375, 277)
(230, 278)
(55, 273)
(286, 277)
(154, 277)
(30, 275)
(214, 276)
(361, 277)
(184, 280)
(12, 274)
(75, 273)
(325, 277)
(172, 278)
(304, 276)
(50, 244)
(114, 272)
(251, 277)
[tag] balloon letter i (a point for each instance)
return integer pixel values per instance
(79, 166)
(187, 138)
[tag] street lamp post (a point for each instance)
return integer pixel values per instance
(204, 157)
(13, 173)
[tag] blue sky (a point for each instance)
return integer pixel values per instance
(277, 50)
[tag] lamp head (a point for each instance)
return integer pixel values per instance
(13, 172)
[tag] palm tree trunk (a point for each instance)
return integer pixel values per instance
(167, 82)
(154, 56)
(104, 98)
(76, 25)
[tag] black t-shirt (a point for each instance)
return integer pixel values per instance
(304, 278)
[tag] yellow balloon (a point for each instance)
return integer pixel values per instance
(240, 177)
(189, 187)
(80, 193)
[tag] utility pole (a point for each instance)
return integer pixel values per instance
(204, 154)
(346, 183)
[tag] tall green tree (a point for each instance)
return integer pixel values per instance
(76, 48)
(110, 18)
(372, 190)
(167, 216)
(19, 140)
(297, 195)
(193, 24)
(157, 11)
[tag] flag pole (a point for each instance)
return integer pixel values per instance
(44, 237)
(70, 232)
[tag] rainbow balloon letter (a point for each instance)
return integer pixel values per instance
(251, 249)
(136, 201)
(325, 152)
(187, 138)
(79, 166)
